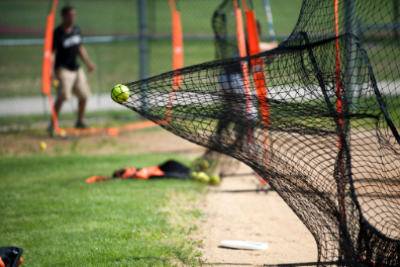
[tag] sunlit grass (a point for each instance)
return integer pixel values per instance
(48, 210)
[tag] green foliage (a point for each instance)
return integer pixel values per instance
(59, 220)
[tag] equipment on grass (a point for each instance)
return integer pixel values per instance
(10, 256)
(244, 245)
(169, 169)
(120, 93)
(330, 151)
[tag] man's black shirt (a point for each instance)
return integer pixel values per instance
(67, 45)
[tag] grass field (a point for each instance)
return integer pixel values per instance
(59, 220)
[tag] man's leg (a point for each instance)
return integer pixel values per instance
(223, 122)
(247, 110)
(58, 104)
(82, 91)
(81, 111)
(67, 79)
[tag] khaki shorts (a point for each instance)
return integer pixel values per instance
(72, 81)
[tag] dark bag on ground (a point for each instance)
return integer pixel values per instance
(169, 169)
(10, 256)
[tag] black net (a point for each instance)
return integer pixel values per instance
(325, 135)
(224, 27)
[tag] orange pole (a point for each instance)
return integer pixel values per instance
(172, 6)
(177, 55)
(177, 46)
(244, 5)
(339, 104)
(243, 63)
(235, 3)
(260, 80)
(48, 43)
(245, 68)
(46, 70)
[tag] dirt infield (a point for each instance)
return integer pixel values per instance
(259, 217)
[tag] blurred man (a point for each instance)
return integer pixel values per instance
(67, 45)
(236, 107)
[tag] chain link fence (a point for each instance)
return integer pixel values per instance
(110, 31)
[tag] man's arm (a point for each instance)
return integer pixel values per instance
(268, 46)
(85, 57)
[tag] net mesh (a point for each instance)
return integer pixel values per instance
(329, 144)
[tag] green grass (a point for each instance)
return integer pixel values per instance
(48, 210)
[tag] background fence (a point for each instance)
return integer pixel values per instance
(111, 35)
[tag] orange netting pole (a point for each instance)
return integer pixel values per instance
(258, 67)
(245, 71)
(46, 69)
(244, 66)
(339, 104)
(177, 55)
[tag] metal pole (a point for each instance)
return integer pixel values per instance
(143, 46)
(143, 52)
(360, 70)
(351, 52)
(396, 18)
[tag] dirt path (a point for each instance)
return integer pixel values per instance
(259, 217)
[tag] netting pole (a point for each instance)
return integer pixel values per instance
(270, 22)
(143, 50)
(351, 48)
(46, 70)
(177, 56)
(396, 18)
(246, 81)
(244, 66)
(260, 80)
(339, 103)
(360, 70)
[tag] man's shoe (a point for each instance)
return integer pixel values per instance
(50, 129)
(81, 125)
